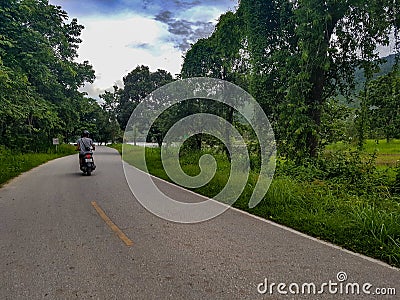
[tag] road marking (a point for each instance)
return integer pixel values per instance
(111, 224)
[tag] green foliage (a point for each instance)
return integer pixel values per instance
(138, 84)
(201, 60)
(383, 227)
(119, 104)
(108, 126)
(39, 77)
(342, 166)
(265, 26)
(12, 164)
(326, 65)
(396, 185)
(383, 104)
(220, 56)
(293, 56)
(337, 122)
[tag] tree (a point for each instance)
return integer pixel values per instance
(139, 83)
(302, 53)
(111, 128)
(337, 121)
(218, 56)
(38, 74)
(333, 37)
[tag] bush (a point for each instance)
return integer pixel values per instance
(351, 170)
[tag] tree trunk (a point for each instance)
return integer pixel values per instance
(314, 104)
(229, 118)
(316, 98)
(198, 141)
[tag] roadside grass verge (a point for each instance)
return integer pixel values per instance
(13, 164)
(362, 216)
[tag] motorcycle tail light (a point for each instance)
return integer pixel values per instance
(88, 156)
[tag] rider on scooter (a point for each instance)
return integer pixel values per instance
(84, 145)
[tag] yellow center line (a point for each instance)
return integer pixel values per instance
(110, 223)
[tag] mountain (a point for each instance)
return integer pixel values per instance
(385, 68)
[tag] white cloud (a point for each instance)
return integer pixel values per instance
(122, 34)
(116, 45)
(201, 14)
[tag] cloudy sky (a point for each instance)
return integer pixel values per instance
(122, 34)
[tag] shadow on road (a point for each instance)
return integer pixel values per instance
(77, 174)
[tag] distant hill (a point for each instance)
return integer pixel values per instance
(385, 68)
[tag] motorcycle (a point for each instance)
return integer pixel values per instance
(87, 165)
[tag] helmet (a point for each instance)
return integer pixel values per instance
(85, 133)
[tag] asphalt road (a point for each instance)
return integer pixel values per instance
(55, 245)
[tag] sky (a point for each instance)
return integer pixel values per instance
(119, 35)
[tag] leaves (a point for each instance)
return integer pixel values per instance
(38, 75)
(383, 103)
(293, 56)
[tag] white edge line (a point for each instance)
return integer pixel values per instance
(374, 260)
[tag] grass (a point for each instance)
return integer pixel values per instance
(363, 216)
(13, 164)
(387, 154)
(357, 222)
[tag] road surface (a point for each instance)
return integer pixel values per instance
(54, 244)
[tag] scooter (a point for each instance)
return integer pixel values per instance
(87, 164)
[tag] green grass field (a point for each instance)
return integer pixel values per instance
(13, 164)
(387, 154)
(363, 216)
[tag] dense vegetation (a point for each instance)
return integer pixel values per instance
(294, 57)
(40, 78)
(305, 62)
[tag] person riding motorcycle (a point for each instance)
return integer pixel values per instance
(84, 146)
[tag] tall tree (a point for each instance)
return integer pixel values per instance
(267, 28)
(308, 49)
(139, 83)
(219, 56)
(39, 73)
(111, 130)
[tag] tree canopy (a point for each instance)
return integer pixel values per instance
(293, 56)
(39, 77)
